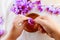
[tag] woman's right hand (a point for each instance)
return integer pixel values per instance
(50, 26)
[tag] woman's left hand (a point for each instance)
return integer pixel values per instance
(17, 27)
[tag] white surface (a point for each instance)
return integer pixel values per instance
(26, 35)
(2, 14)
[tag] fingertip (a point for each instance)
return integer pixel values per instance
(25, 18)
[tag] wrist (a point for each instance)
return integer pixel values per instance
(10, 38)
(56, 34)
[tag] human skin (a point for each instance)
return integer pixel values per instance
(17, 29)
(51, 27)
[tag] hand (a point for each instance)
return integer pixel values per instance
(50, 26)
(17, 28)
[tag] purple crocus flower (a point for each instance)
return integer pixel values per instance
(38, 2)
(50, 9)
(40, 8)
(47, 8)
(1, 32)
(57, 11)
(22, 6)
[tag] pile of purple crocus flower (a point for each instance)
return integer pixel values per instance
(22, 6)
(53, 10)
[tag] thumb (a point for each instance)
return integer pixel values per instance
(40, 21)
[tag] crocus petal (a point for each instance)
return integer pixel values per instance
(30, 21)
(38, 2)
(40, 8)
(1, 32)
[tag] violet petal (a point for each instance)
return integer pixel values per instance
(30, 21)
(1, 32)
